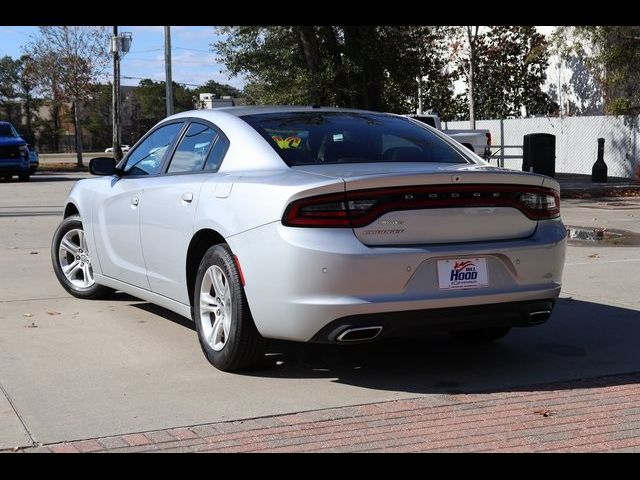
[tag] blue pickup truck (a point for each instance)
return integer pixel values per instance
(14, 154)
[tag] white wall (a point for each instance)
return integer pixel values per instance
(576, 141)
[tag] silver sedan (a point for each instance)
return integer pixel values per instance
(313, 225)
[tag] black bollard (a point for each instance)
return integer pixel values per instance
(599, 170)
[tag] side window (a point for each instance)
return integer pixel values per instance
(217, 153)
(193, 148)
(146, 159)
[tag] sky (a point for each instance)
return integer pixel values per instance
(192, 60)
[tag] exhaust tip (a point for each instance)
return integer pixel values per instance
(359, 334)
(539, 316)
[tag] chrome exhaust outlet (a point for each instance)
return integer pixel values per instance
(540, 316)
(360, 334)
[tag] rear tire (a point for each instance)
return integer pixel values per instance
(24, 177)
(481, 336)
(78, 280)
(226, 331)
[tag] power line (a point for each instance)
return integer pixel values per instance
(161, 80)
(193, 49)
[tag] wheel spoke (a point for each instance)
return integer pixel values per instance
(208, 302)
(68, 269)
(69, 246)
(210, 336)
(226, 323)
(85, 273)
(218, 284)
(83, 241)
(218, 331)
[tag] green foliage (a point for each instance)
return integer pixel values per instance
(377, 67)
(612, 56)
(18, 80)
(98, 121)
(218, 89)
(510, 72)
(150, 104)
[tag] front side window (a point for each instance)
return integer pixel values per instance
(304, 138)
(147, 157)
(193, 149)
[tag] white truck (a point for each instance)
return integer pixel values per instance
(478, 141)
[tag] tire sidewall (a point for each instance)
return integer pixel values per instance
(220, 255)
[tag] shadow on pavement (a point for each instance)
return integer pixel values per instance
(582, 340)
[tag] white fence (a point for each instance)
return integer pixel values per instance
(576, 141)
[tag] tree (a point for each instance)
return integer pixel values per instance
(69, 60)
(18, 81)
(464, 46)
(150, 107)
(611, 54)
(511, 71)
(504, 69)
(218, 89)
(366, 67)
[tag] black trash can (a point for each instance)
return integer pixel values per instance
(539, 153)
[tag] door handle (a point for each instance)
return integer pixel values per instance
(135, 201)
(187, 197)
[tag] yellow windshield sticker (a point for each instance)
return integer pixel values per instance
(289, 142)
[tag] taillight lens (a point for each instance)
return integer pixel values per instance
(359, 208)
(547, 205)
(488, 134)
(321, 211)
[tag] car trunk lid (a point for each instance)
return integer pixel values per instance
(409, 204)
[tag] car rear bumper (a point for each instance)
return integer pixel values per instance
(300, 280)
(405, 323)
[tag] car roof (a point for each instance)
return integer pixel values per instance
(266, 109)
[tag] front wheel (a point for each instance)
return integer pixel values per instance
(72, 261)
(227, 333)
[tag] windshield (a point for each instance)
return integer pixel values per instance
(7, 130)
(304, 138)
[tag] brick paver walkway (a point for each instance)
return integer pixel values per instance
(593, 415)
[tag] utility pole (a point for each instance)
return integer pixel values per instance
(167, 67)
(420, 95)
(115, 100)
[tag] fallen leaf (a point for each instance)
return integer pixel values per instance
(33, 253)
(33, 325)
(53, 313)
(595, 255)
(545, 412)
(27, 314)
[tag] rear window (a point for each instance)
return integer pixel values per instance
(307, 138)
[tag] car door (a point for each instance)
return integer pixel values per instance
(117, 209)
(168, 214)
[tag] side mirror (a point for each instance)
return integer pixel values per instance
(102, 166)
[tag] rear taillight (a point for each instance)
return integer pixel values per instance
(488, 134)
(545, 204)
(359, 208)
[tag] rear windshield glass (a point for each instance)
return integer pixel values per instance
(307, 138)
